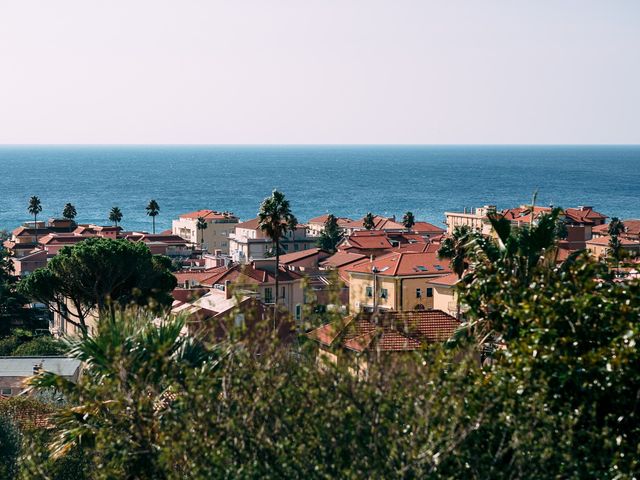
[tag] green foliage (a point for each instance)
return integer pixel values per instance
(369, 221)
(101, 273)
(153, 210)
(9, 448)
(11, 301)
(408, 220)
(69, 212)
(45, 346)
(455, 247)
(24, 343)
(331, 234)
(115, 215)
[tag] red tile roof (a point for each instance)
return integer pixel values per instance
(604, 241)
(366, 240)
(342, 221)
(392, 332)
(631, 228)
(296, 256)
(379, 223)
(405, 264)
(426, 227)
(209, 215)
(248, 274)
(340, 259)
(584, 215)
(447, 280)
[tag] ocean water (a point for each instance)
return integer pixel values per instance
(344, 180)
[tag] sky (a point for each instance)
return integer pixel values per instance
(319, 72)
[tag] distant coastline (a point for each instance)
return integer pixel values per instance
(342, 179)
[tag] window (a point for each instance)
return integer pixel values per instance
(298, 312)
(5, 391)
(282, 295)
(429, 292)
(296, 247)
(369, 292)
(268, 295)
(418, 293)
(384, 293)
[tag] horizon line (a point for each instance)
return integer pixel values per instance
(319, 145)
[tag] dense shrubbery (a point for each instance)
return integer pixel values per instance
(25, 343)
(557, 395)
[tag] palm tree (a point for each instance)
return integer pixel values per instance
(276, 220)
(455, 249)
(153, 209)
(35, 207)
(201, 226)
(408, 220)
(368, 221)
(132, 352)
(115, 215)
(69, 212)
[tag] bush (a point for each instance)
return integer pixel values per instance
(8, 345)
(9, 448)
(41, 346)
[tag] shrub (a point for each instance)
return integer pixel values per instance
(9, 447)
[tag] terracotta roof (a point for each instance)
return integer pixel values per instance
(405, 264)
(327, 333)
(342, 221)
(447, 280)
(604, 241)
(295, 256)
(368, 240)
(584, 215)
(209, 215)
(379, 223)
(248, 274)
(523, 213)
(426, 227)
(392, 332)
(418, 247)
(631, 227)
(340, 259)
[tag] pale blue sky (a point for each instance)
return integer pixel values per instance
(327, 71)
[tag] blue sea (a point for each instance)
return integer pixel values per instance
(343, 180)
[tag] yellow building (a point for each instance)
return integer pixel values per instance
(220, 225)
(396, 281)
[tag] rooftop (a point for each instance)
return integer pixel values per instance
(404, 264)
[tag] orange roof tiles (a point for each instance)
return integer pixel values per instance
(209, 215)
(405, 264)
(392, 332)
(426, 227)
(340, 259)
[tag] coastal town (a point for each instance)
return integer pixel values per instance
(389, 277)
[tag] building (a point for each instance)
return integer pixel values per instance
(396, 281)
(380, 224)
(315, 226)
(367, 242)
(359, 339)
(248, 242)
(257, 279)
(304, 261)
(631, 229)
(600, 246)
(15, 370)
(476, 219)
(445, 297)
(220, 225)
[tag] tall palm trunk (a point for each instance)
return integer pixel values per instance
(35, 227)
(275, 307)
(153, 219)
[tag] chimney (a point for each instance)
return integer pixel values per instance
(227, 288)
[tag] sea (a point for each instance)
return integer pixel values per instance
(344, 180)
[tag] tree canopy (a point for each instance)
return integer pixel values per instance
(331, 234)
(101, 273)
(69, 212)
